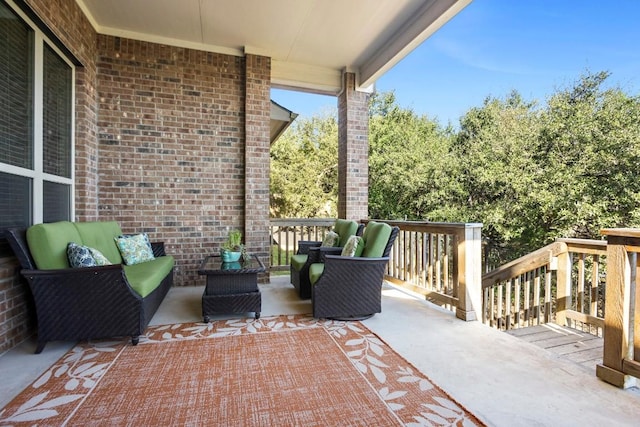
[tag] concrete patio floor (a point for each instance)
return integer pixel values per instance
(504, 380)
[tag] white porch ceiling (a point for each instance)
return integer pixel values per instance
(310, 42)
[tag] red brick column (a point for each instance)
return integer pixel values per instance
(257, 159)
(353, 151)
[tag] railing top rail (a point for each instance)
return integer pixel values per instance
(584, 242)
(429, 227)
(621, 232)
(525, 263)
(586, 246)
(303, 221)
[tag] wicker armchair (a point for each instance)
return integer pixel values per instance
(310, 252)
(350, 288)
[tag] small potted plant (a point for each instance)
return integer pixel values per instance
(233, 249)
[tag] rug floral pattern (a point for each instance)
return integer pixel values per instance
(411, 396)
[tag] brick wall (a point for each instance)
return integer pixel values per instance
(172, 145)
(353, 151)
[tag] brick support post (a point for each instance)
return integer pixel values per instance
(353, 151)
(257, 159)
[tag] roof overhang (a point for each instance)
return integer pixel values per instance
(310, 42)
(281, 118)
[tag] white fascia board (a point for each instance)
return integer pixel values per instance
(421, 26)
(304, 77)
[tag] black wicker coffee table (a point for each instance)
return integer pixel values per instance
(232, 287)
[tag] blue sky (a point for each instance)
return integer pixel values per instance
(495, 46)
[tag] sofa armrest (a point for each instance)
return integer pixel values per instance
(80, 281)
(352, 272)
(318, 254)
(305, 245)
(84, 303)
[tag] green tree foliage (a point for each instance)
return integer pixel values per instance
(567, 169)
(304, 170)
(410, 164)
(590, 138)
(530, 173)
(496, 146)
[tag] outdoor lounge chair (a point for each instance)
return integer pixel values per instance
(309, 252)
(350, 287)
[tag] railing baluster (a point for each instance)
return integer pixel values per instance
(595, 281)
(536, 296)
(547, 296)
(517, 307)
(580, 290)
(492, 307)
(499, 314)
(445, 265)
(529, 299)
(438, 257)
(507, 298)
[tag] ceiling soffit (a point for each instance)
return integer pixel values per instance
(311, 42)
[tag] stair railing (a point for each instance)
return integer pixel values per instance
(562, 282)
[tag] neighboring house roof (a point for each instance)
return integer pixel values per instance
(311, 42)
(281, 118)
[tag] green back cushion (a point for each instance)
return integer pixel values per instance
(48, 244)
(99, 235)
(298, 261)
(376, 235)
(345, 229)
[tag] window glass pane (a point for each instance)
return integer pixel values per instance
(17, 191)
(56, 202)
(15, 210)
(57, 115)
(16, 90)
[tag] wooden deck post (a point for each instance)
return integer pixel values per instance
(564, 287)
(469, 253)
(617, 312)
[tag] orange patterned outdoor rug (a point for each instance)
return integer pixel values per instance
(275, 371)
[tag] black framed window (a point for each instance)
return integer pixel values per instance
(36, 126)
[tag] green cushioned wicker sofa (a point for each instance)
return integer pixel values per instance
(89, 302)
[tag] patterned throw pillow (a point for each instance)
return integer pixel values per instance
(99, 257)
(353, 247)
(79, 256)
(330, 240)
(84, 256)
(134, 248)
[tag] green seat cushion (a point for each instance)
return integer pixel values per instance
(315, 271)
(48, 243)
(298, 261)
(99, 235)
(345, 229)
(376, 236)
(145, 277)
